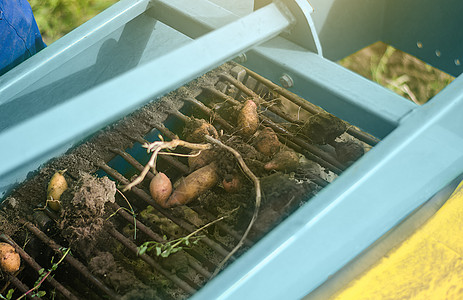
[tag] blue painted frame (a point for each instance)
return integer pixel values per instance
(420, 152)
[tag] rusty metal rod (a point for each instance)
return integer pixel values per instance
(132, 161)
(219, 94)
(364, 137)
(146, 258)
(147, 198)
(156, 237)
(71, 260)
(21, 287)
(165, 131)
(30, 261)
(282, 135)
(330, 160)
(216, 117)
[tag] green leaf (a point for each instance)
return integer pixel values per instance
(158, 251)
(142, 249)
(41, 293)
(10, 294)
(41, 271)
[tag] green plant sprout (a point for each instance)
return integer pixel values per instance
(8, 296)
(43, 275)
(164, 249)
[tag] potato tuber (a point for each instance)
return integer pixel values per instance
(267, 142)
(232, 183)
(193, 185)
(9, 258)
(285, 160)
(56, 188)
(160, 188)
(196, 129)
(248, 119)
(204, 158)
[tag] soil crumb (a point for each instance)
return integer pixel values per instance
(83, 208)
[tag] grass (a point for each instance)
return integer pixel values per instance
(56, 18)
(402, 73)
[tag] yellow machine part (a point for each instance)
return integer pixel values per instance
(428, 265)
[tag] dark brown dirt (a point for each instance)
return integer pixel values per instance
(323, 128)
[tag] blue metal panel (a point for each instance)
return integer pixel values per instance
(363, 103)
(430, 30)
(349, 96)
(50, 60)
(402, 172)
(68, 123)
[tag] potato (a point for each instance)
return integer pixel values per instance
(248, 119)
(196, 129)
(267, 142)
(285, 160)
(160, 188)
(232, 183)
(56, 187)
(194, 185)
(201, 160)
(9, 258)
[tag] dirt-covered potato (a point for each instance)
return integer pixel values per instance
(193, 185)
(286, 160)
(204, 158)
(9, 258)
(232, 183)
(323, 128)
(196, 129)
(160, 188)
(248, 119)
(56, 187)
(267, 142)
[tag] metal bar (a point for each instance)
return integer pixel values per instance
(193, 19)
(71, 260)
(147, 198)
(132, 247)
(215, 117)
(364, 137)
(347, 95)
(339, 91)
(69, 46)
(150, 175)
(146, 230)
(364, 203)
(30, 261)
(108, 101)
(315, 153)
(21, 286)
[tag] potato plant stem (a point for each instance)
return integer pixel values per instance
(156, 147)
(256, 182)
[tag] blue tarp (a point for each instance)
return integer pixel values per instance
(19, 35)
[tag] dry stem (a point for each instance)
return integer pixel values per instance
(156, 147)
(256, 181)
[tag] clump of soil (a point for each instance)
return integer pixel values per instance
(83, 208)
(323, 128)
(118, 277)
